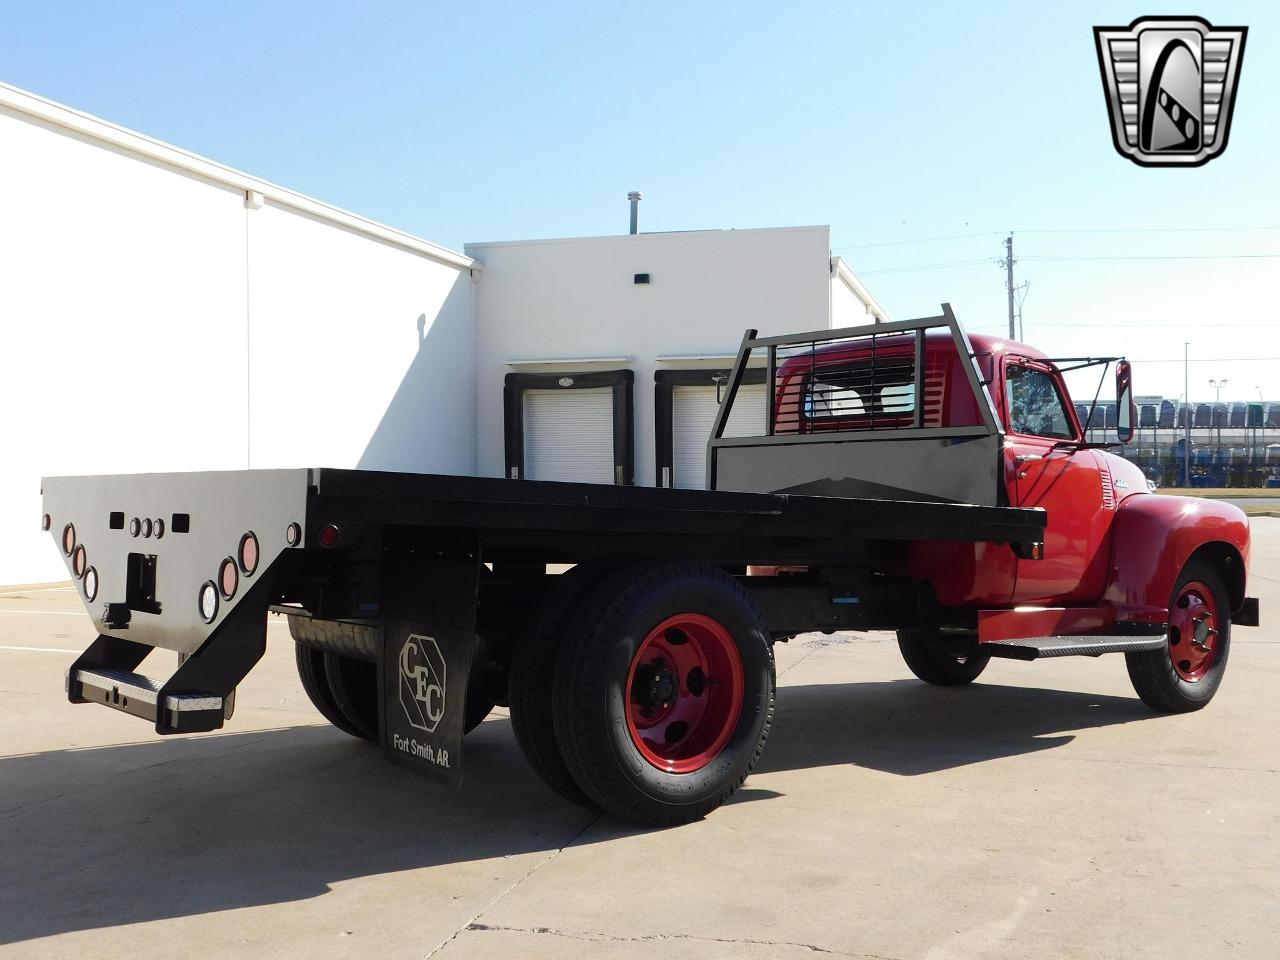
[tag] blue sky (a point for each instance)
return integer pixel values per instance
(894, 123)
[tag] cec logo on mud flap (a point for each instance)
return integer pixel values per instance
(422, 675)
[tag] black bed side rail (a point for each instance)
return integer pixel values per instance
(751, 341)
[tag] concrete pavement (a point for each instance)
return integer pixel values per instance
(1042, 813)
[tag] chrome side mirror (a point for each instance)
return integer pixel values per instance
(1126, 409)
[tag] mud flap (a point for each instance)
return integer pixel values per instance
(428, 642)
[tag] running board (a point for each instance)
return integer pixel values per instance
(1038, 648)
(139, 696)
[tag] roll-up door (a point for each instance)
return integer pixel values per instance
(568, 435)
(693, 412)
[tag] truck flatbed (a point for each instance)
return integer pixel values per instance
(753, 527)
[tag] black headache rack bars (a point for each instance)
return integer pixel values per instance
(858, 412)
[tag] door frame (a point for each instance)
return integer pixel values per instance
(664, 384)
(621, 381)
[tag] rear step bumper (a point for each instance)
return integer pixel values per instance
(1038, 648)
(139, 696)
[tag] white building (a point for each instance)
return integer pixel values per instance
(610, 349)
(163, 312)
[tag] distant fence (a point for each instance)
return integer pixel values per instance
(1232, 461)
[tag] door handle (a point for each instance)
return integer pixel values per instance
(1027, 458)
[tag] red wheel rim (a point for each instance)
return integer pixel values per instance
(684, 693)
(1194, 642)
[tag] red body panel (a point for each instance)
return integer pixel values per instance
(1152, 539)
(1023, 622)
(948, 400)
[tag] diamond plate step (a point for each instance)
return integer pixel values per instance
(134, 694)
(1038, 648)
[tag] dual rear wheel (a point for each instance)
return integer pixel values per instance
(645, 690)
(344, 689)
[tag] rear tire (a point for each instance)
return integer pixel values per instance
(354, 686)
(1186, 674)
(938, 666)
(664, 692)
(533, 669)
(316, 685)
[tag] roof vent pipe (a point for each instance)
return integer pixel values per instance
(634, 196)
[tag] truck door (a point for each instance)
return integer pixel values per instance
(1066, 481)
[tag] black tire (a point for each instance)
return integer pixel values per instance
(478, 707)
(938, 666)
(316, 685)
(1155, 678)
(591, 701)
(354, 686)
(533, 668)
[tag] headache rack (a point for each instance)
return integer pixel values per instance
(882, 411)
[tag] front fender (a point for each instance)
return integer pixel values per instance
(1152, 539)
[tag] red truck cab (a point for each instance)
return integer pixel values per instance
(1116, 557)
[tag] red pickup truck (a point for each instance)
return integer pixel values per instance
(906, 477)
(1114, 556)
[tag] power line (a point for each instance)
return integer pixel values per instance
(1060, 230)
(1146, 326)
(1180, 256)
(901, 243)
(1117, 258)
(910, 268)
(1209, 360)
(1156, 230)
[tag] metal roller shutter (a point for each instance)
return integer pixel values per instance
(693, 412)
(568, 435)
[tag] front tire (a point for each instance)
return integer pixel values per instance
(937, 665)
(1186, 675)
(664, 692)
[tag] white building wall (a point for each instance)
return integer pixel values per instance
(846, 309)
(361, 354)
(153, 320)
(562, 300)
(851, 303)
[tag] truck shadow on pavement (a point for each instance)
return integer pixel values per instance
(181, 827)
(910, 728)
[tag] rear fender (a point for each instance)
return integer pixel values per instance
(1154, 537)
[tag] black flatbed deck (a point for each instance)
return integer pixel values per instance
(545, 515)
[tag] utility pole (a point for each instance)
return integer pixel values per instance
(1008, 266)
(1186, 438)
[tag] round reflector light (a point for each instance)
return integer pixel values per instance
(135, 527)
(159, 529)
(90, 584)
(208, 601)
(228, 578)
(78, 562)
(328, 535)
(146, 527)
(249, 553)
(68, 539)
(293, 534)
(46, 522)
